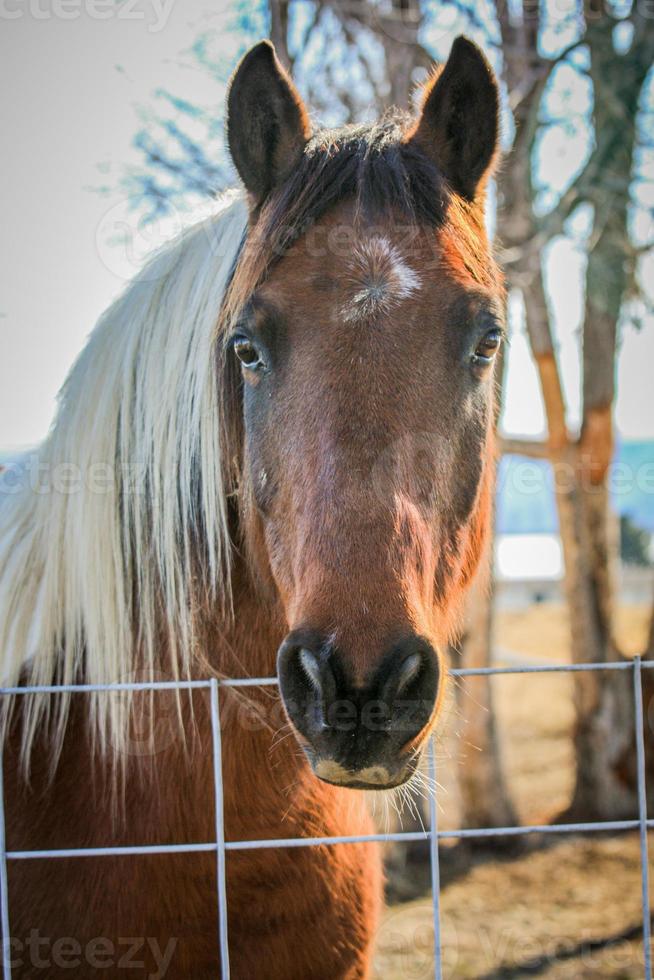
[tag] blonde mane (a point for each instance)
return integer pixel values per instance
(99, 528)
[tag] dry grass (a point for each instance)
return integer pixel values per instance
(517, 917)
(541, 631)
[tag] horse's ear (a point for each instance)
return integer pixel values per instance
(459, 120)
(267, 123)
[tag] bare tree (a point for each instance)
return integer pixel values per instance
(366, 56)
(603, 701)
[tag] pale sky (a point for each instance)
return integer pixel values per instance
(70, 90)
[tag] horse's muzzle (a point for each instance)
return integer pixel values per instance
(363, 737)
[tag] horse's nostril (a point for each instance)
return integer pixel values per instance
(307, 682)
(409, 671)
(311, 668)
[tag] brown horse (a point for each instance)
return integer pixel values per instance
(313, 476)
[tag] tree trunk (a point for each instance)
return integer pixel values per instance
(484, 796)
(400, 45)
(279, 30)
(604, 700)
(604, 704)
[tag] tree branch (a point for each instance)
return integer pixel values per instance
(532, 448)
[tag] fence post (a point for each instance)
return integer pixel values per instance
(4, 886)
(220, 831)
(642, 815)
(435, 865)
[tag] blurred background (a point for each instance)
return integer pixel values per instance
(113, 140)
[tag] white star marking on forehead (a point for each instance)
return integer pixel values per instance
(379, 277)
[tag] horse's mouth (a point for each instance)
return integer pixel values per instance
(370, 778)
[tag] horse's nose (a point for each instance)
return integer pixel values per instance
(363, 736)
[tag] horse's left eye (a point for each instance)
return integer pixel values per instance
(486, 349)
(247, 353)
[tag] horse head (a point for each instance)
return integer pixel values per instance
(364, 319)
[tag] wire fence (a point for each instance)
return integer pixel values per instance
(221, 847)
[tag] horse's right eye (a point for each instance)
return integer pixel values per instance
(247, 353)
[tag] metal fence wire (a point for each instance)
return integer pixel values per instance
(221, 847)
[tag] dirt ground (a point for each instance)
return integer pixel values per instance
(568, 909)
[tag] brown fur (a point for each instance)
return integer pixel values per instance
(275, 897)
(362, 474)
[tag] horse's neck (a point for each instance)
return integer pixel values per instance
(269, 790)
(262, 762)
(244, 643)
